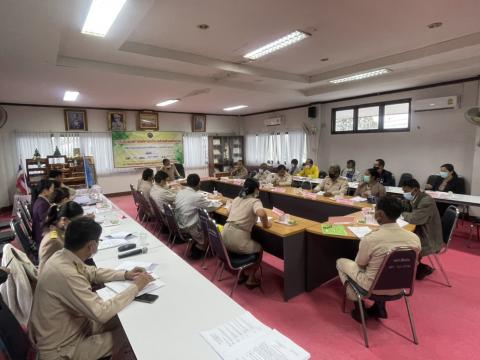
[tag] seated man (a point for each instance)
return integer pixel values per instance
(421, 210)
(263, 174)
(239, 170)
(309, 170)
(57, 175)
(68, 319)
(294, 169)
(145, 183)
(371, 252)
(385, 177)
(161, 192)
(333, 184)
(282, 177)
(187, 204)
(170, 169)
(350, 173)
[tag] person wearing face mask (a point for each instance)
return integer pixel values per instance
(57, 220)
(263, 175)
(239, 171)
(282, 177)
(370, 185)
(68, 319)
(372, 251)
(170, 169)
(385, 177)
(294, 170)
(421, 210)
(242, 216)
(350, 173)
(333, 184)
(449, 181)
(41, 197)
(310, 170)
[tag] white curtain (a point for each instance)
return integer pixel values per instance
(195, 153)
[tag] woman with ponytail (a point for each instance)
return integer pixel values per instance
(243, 214)
(57, 220)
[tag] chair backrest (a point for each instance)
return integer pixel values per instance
(397, 271)
(404, 177)
(171, 221)
(307, 185)
(180, 169)
(449, 222)
(26, 223)
(217, 245)
(18, 345)
(461, 188)
(143, 203)
(156, 211)
(135, 195)
(25, 206)
(434, 180)
(204, 217)
(132, 188)
(322, 174)
(27, 242)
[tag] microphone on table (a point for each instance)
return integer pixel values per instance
(133, 252)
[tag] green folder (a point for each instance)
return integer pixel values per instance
(338, 230)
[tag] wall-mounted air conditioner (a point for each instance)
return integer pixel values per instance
(274, 121)
(441, 103)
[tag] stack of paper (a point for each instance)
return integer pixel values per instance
(109, 243)
(246, 338)
(358, 199)
(119, 286)
(360, 231)
(130, 265)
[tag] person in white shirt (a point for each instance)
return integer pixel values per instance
(187, 204)
(350, 173)
(161, 192)
(263, 175)
(145, 183)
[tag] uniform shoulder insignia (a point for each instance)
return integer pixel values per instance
(54, 234)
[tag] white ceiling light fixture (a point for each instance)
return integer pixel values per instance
(70, 95)
(101, 16)
(233, 108)
(167, 102)
(287, 40)
(361, 76)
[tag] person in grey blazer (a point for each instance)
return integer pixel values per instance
(421, 210)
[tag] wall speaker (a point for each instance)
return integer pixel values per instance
(312, 112)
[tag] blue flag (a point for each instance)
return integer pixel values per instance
(89, 178)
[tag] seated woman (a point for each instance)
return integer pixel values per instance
(370, 185)
(41, 197)
(449, 181)
(57, 220)
(242, 217)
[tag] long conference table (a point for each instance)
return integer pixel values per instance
(189, 303)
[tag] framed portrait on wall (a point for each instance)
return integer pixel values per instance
(147, 120)
(75, 120)
(117, 121)
(199, 123)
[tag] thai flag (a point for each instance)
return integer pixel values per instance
(21, 182)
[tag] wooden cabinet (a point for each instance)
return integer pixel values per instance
(223, 152)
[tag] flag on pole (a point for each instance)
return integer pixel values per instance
(89, 178)
(21, 182)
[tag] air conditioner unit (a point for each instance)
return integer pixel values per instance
(274, 121)
(441, 103)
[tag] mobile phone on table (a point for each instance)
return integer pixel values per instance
(147, 298)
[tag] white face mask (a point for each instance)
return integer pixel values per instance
(260, 171)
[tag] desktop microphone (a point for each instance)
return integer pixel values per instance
(132, 252)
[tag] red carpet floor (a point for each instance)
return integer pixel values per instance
(447, 319)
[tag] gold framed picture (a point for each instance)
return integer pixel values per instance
(117, 121)
(75, 120)
(147, 120)
(199, 123)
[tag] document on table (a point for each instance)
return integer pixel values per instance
(130, 264)
(402, 223)
(360, 231)
(120, 286)
(260, 220)
(338, 230)
(108, 243)
(246, 338)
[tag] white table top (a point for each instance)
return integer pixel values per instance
(170, 327)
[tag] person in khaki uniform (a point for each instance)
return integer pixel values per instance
(68, 319)
(57, 220)
(263, 175)
(239, 170)
(421, 210)
(146, 182)
(372, 251)
(169, 169)
(333, 184)
(161, 192)
(282, 177)
(242, 216)
(370, 185)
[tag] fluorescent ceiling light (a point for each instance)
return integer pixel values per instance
(361, 76)
(70, 95)
(233, 108)
(101, 16)
(167, 102)
(287, 40)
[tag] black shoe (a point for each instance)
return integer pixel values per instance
(423, 271)
(377, 310)
(196, 253)
(356, 314)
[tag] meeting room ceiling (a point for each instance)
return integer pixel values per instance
(155, 51)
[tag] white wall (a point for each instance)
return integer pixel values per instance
(27, 118)
(436, 137)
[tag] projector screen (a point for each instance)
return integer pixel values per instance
(146, 148)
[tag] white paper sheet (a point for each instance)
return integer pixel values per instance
(130, 264)
(108, 243)
(360, 231)
(358, 199)
(119, 235)
(259, 220)
(120, 286)
(402, 223)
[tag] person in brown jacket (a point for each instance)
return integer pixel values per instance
(370, 185)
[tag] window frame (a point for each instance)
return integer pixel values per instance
(381, 116)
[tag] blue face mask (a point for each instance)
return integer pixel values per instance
(366, 178)
(408, 196)
(444, 174)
